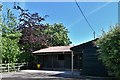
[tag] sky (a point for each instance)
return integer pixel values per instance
(101, 15)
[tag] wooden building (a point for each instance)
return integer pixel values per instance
(55, 58)
(83, 58)
(91, 65)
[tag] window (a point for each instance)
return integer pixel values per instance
(61, 57)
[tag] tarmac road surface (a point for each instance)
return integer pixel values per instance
(40, 75)
(47, 75)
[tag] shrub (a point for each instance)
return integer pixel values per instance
(109, 50)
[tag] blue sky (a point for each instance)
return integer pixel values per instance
(101, 15)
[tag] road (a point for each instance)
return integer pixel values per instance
(40, 75)
(48, 75)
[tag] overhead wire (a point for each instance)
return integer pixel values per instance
(85, 18)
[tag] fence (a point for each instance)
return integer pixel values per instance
(11, 67)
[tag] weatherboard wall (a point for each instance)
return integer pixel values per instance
(91, 65)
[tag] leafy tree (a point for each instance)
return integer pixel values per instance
(36, 35)
(10, 50)
(58, 35)
(0, 34)
(33, 36)
(9, 23)
(10, 37)
(109, 50)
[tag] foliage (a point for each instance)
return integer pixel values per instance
(32, 30)
(109, 50)
(32, 37)
(10, 37)
(58, 35)
(10, 50)
(36, 35)
(19, 40)
(0, 33)
(9, 23)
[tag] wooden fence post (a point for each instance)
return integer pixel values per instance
(11, 67)
(8, 67)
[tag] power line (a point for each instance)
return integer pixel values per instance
(85, 18)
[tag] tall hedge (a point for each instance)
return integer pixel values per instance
(109, 50)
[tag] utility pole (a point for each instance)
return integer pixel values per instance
(85, 18)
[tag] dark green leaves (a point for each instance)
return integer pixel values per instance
(109, 50)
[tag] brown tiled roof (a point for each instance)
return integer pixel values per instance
(54, 49)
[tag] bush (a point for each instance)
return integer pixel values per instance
(109, 50)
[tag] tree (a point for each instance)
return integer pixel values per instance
(109, 50)
(58, 35)
(36, 35)
(10, 38)
(0, 34)
(10, 50)
(33, 36)
(9, 23)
